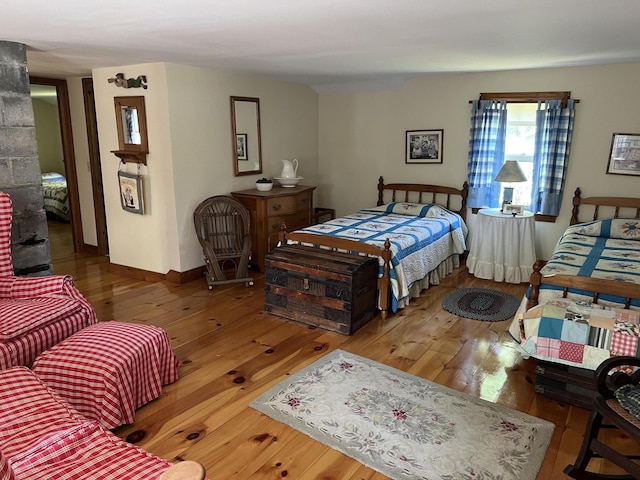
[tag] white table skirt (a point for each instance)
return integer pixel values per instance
(503, 246)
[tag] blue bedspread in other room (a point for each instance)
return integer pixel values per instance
(55, 195)
(422, 236)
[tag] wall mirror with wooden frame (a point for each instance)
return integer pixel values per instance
(245, 136)
(131, 122)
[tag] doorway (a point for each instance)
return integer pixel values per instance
(69, 162)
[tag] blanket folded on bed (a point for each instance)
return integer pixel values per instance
(580, 334)
(608, 249)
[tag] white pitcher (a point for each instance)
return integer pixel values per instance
(290, 169)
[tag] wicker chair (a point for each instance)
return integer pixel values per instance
(608, 413)
(222, 227)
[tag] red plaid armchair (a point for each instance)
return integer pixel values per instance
(35, 312)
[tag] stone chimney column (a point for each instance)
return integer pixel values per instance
(19, 166)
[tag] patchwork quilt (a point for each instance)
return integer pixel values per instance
(580, 334)
(422, 237)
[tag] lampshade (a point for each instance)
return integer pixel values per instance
(511, 172)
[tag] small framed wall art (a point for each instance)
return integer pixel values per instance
(624, 157)
(241, 146)
(423, 146)
(131, 192)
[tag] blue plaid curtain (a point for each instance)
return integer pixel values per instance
(486, 151)
(554, 126)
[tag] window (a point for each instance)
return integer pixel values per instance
(533, 128)
(519, 146)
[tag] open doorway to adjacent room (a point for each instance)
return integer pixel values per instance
(61, 190)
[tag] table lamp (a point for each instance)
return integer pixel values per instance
(510, 173)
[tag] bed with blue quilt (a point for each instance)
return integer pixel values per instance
(56, 197)
(588, 255)
(418, 240)
(582, 305)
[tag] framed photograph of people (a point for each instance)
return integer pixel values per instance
(241, 146)
(624, 157)
(131, 192)
(423, 146)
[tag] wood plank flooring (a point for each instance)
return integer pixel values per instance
(230, 351)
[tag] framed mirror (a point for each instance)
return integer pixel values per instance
(131, 122)
(245, 135)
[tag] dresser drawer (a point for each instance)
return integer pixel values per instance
(287, 205)
(268, 210)
(293, 222)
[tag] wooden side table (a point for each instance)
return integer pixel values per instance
(502, 246)
(292, 206)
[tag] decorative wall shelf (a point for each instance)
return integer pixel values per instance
(129, 156)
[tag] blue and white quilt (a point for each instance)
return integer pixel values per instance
(55, 195)
(422, 237)
(608, 249)
(601, 249)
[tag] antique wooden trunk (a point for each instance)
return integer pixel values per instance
(566, 384)
(336, 291)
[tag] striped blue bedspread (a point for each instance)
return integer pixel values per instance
(422, 236)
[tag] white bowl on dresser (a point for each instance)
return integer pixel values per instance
(288, 181)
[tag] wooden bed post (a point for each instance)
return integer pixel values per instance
(384, 282)
(380, 190)
(464, 193)
(576, 203)
(535, 281)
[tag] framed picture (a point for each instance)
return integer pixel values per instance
(131, 192)
(511, 209)
(241, 146)
(624, 158)
(423, 146)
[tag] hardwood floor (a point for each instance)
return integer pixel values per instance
(230, 351)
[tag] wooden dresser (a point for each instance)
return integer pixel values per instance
(293, 206)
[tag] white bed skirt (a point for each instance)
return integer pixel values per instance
(441, 271)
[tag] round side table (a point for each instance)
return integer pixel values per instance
(502, 246)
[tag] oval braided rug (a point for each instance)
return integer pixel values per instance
(481, 304)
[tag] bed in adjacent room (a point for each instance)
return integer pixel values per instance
(56, 198)
(416, 234)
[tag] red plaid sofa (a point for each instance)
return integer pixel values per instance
(35, 312)
(41, 437)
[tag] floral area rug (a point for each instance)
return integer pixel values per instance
(404, 426)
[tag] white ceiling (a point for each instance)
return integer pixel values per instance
(332, 45)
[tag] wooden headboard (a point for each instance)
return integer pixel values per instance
(420, 193)
(610, 205)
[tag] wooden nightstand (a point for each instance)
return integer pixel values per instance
(269, 210)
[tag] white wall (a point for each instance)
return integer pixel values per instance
(48, 136)
(190, 156)
(200, 125)
(361, 135)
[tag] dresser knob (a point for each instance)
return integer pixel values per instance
(276, 206)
